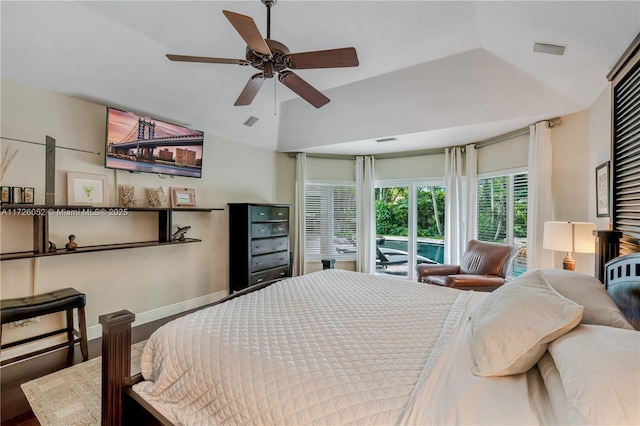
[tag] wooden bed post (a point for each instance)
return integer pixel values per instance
(607, 248)
(116, 363)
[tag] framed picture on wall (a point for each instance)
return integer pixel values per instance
(87, 189)
(183, 197)
(602, 190)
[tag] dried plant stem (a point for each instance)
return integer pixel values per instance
(7, 158)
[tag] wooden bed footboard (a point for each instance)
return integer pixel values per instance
(120, 405)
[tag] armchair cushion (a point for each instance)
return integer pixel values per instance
(473, 282)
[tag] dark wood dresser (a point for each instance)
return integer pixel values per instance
(258, 244)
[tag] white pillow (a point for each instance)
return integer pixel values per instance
(553, 385)
(600, 371)
(512, 326)
(585, 290)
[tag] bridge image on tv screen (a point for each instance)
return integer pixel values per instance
(141, 144)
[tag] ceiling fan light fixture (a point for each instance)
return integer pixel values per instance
(251, 121)
(549, 48)
(386, 140)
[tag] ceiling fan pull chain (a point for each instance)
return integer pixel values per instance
(275, 90)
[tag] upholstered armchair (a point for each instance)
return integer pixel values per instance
(483, 268)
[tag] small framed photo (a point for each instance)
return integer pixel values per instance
(183, 197)
(17, 195)
(602, 190)
(27, 195)
(6, 195)
(87, 189)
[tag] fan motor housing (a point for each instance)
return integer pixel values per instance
(278, 58)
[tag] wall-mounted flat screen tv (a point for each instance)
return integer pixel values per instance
(142, 144)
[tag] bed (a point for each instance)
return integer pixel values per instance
(340, 347)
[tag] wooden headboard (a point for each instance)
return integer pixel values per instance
(622, 281)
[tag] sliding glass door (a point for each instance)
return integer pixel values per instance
(409, 226)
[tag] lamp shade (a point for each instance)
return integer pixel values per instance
(570, 237)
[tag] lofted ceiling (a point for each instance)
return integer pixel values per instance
(431, 73)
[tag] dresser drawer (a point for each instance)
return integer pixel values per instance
(268, 213)
(268, 245)
(266, 261)
(263, 230)
(270, 275)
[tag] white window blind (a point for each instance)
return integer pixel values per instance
(330, 221)
(502, 213)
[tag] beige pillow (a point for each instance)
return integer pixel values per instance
(512, 326)
(585, 290)
(600, 371)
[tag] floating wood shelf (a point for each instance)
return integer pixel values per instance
(41, 213)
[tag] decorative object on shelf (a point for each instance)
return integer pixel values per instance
(127, 196)
(602, 190)
(179, 235)
(183, 197)
(156, 197)
(569, 237)
(17, 194)
(52, 247)
(6, 195)
(84, 188)
(7, 157)
(27, 195)
(71, 245)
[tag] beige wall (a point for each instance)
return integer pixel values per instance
(142, 280)
(580, 144)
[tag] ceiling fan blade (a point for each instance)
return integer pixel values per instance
(185, 58)
(334, 58)
(248, 30)
(250, 90)
(303, 89)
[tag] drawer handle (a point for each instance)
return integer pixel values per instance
(258, 280)
(280, 214)
(258, 263)
(261, 214)
(281, 273)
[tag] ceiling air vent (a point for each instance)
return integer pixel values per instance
(549, 48)
(386, 140)
(251, 121)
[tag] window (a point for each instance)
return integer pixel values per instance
(330, 221)
(409, 226)
(502, 213)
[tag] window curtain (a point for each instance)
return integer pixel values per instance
(299, 218)
(366, 214)
(454, 217)
(540, 200)
(471, 161)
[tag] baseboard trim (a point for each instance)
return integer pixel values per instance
(95, 331)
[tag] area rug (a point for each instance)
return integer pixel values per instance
(71, 397)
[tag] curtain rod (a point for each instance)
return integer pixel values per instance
(515, 133)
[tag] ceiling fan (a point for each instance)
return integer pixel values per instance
(272, 57)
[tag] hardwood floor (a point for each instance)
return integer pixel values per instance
(15, 409)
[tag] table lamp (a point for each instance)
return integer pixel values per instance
(569, 237)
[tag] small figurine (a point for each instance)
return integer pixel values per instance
(71, 245)
(179, 234)
(52, 247)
